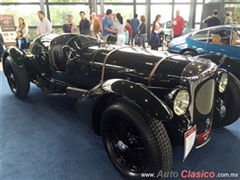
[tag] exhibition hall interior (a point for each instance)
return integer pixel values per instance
(119, 89)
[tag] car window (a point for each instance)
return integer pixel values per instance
(235, 40)
(238, 31)
(220, 36)
(200, 36)
(169, 24)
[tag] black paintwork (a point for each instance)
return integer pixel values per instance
(125, 68)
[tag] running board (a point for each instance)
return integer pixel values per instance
(71, 92)
(75, 93)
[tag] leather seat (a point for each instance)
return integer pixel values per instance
(216, 39)
(235, 39)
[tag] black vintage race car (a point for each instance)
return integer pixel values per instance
(137, 100)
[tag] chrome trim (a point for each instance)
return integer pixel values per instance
(196, 78)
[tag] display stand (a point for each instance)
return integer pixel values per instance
(8, 29)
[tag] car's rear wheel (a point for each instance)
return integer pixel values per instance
(230, 100)
(17, 78)
(189, 53)
(135, 143)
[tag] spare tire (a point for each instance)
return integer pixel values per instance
(58, 58)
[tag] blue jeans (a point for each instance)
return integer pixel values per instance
(143, 38)
(133, 36)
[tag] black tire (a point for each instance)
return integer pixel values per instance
(231, 98)
(149, 149)
(58, 58)
(17, 77)
(189, 53)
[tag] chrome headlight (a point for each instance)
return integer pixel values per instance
(181, 102)
(223, 82)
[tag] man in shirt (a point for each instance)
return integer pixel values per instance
(44, 26)
(84, 24)
(228, 19)
(212, 20)
(134, 24)
(178, 25)
(107, 25)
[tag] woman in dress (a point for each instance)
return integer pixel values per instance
(119, 26)
(24, 28)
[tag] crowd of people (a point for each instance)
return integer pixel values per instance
(131, 32)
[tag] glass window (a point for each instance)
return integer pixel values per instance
(117, 1)
(177, 1)
(197, 26)
(238, 31)
(29, 16)
(200, 36)
(32, 33)
(126, 11)
(20, 1)
(184, 10)
(162, 1)
(59, 13)
(140, 1)
(221, 36)
(164, 10)
(57, 30)
(140, 10)
(86, 1)
(198, 14)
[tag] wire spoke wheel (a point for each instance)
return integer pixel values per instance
(134, 142)
(127, 144)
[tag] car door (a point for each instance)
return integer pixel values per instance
(220, 43)
(197, 41)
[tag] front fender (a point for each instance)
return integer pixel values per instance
(138, 93)
(17, 55)
(229, 64)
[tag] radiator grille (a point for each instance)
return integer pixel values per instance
(204, 98)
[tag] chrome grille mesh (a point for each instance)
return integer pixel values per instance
(204, 98)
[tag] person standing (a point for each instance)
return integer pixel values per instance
(119, 26)
(134, 24)
(178, 25)
(84, 24)
(228, 19)
(95, 25)
(69, 26)
(143, 31)
(212, 20)
(129, 29)
(21, 42)
(44, 26)
(107, 25)
(154, 41)
(24, 28)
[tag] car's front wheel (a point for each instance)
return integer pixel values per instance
(135, 143)
(227, 104)
(17, 78)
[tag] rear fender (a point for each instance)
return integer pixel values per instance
(229, 64)
(92, 104)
